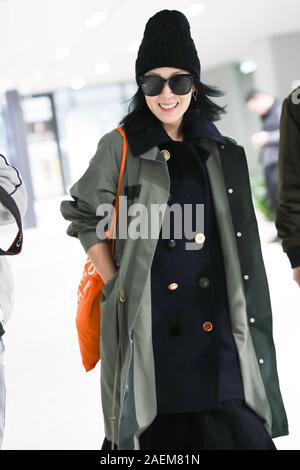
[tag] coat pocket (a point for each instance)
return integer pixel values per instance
(108, 287)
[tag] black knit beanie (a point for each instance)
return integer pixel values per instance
(167, 42)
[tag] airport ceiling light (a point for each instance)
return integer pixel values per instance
(102, 68)
(78, 83)
(38, 76)
(62, 53)
(248, 66)
(194, 10)
(96, 19)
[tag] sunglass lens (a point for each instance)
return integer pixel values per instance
(181, 84)
(151, 85)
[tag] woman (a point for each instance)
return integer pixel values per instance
(187, 354)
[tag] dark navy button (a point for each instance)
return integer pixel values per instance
(174, 330)
(204, 282)
(171, 243)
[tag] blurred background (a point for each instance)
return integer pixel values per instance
(66, 78)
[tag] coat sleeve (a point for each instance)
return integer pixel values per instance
(97, 186)
(288, 214)
(12, 183)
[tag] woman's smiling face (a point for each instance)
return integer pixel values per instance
(167, 97)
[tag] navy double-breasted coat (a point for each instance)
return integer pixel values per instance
(196, 361)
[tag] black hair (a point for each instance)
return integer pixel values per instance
(139, 112)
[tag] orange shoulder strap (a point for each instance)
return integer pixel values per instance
(116, 207)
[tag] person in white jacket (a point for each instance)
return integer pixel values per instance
(13, 204)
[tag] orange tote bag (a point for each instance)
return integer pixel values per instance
(88, 316)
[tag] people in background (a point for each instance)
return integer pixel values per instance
(268, 108)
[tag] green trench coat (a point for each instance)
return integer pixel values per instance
(127, 364)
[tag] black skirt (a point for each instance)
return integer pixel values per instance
(233, 426)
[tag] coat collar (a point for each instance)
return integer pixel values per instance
(148, 141)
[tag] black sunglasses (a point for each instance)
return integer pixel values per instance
(152, 85)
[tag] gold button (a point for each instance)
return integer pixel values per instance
(207, 326)
(166, 154)
(173, 286)
(122, 295)
(200, 238)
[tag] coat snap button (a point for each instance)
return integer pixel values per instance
(200, 238)
(173, 286)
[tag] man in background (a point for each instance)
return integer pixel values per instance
(268, 108)
(288, 215)
(13, 202)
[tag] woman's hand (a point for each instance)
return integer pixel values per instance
(101, 257)
(260, 139)
(296, 275)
